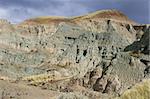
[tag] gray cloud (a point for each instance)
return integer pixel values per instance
(19, 10)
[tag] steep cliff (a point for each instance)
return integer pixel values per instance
(95, 56)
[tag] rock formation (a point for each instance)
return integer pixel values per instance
(96, 56)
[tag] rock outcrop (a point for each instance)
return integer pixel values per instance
(96, 56)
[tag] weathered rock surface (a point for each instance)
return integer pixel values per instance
(96, 56)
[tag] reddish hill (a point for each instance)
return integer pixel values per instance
(101, 14)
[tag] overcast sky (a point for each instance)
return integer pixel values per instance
(19, 10)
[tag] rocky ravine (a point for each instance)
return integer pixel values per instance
(101, 55)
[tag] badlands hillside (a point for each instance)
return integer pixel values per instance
(101, 55)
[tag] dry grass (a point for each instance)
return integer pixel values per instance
(139, 91)
(109, 14)
(44, 78)
(103, 14)
(135, 54)
(46, 20)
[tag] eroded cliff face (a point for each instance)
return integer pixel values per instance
(96, 56)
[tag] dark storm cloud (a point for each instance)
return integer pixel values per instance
(19, 10)
(38, 4)
(137, 10)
